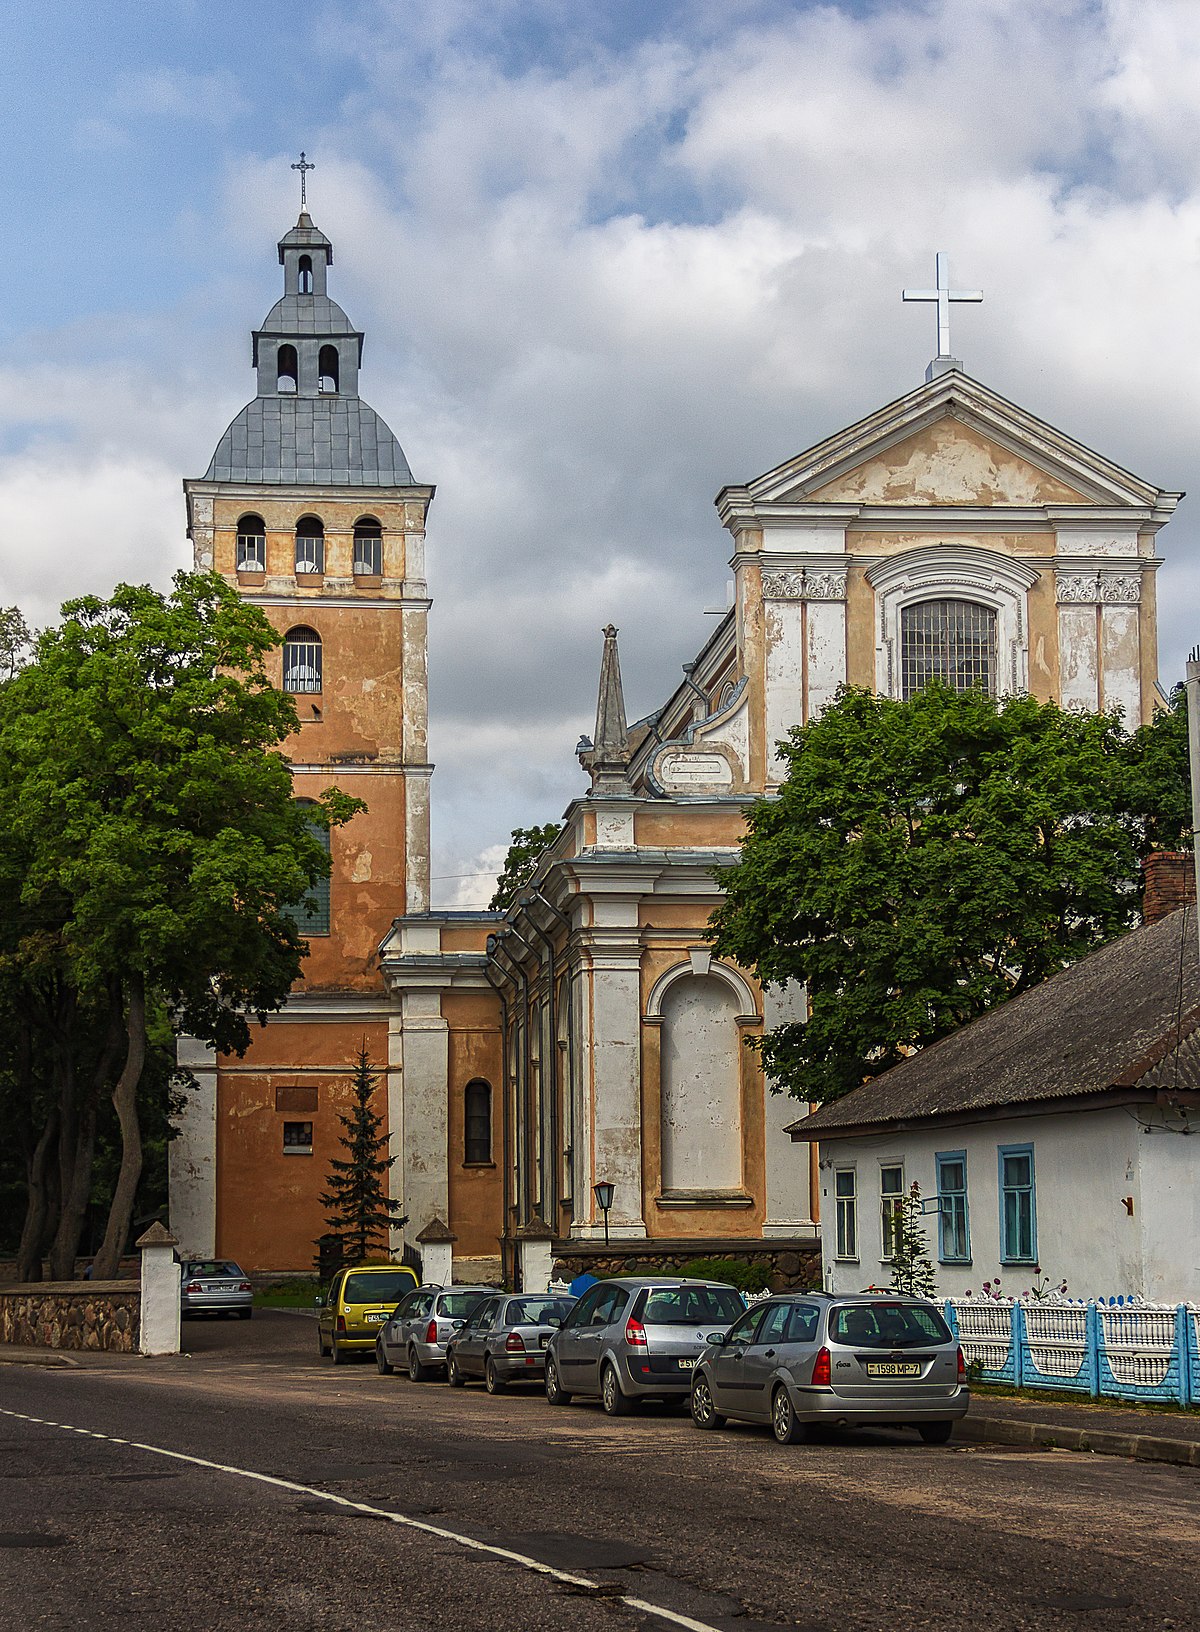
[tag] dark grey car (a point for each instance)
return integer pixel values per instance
(635, 1338)
(504, 1340)
(796, 1360)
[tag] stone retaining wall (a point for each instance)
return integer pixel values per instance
(788, 1263)
(72, 1315)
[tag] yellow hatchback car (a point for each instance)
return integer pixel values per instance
(357, 1304)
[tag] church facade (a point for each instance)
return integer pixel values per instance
(588, 1036)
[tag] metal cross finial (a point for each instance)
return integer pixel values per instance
(304, 167)
(943, 294)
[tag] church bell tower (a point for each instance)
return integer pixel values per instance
(309, 507)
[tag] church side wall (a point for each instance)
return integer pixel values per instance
(474, 1054)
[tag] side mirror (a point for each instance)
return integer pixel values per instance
(459, 1324)
(553, 1320)
(718, 1339)
(319, 1302)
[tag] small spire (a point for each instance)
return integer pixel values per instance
(607, 761)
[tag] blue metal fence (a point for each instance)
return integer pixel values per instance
(1120, 1351)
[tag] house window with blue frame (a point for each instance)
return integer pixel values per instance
(845, 1188)
(954, 1228)
(1018, 1209)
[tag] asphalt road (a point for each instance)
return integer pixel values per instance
(724, 1530)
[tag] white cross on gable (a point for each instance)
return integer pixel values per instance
(943, 295)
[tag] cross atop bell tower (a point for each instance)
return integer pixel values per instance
(304, 167)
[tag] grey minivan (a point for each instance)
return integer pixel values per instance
(632, 1338)
(799, 1359)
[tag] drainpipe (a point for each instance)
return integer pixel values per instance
(496, 951)
(497, 986)
(530, 1124)
(1193, 708)
(555, 1073)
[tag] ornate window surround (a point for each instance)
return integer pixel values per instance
(958, 572)
(701, 964)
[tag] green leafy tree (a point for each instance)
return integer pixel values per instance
(520, 863)
(16, 638)
(927, 859)
(152, 853)
(912, 1267)
(359, 1212)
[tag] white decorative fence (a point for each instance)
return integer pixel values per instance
(1129, 1351)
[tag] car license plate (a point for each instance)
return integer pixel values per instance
(685, 1365)
(377, 1320)
(217, 1288)
(893, 1368)
(543, 1340)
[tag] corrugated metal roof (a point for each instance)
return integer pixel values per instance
(306, 314)
(1107, 1022)
(333, 441)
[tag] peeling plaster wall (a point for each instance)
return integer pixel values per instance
(947, 463)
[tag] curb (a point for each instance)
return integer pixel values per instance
(48, 1357)
(1066, 1437)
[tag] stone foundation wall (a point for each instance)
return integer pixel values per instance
(789, 1264)
(72, 1315)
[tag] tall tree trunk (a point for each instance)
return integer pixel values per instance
(33, 1231)
(77, 1189)
(124, 1100)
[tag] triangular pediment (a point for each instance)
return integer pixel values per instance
(952, 442)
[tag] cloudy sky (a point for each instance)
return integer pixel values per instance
(609, 256)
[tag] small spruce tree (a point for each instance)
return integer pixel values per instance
(912, 1267)
(358, 1210)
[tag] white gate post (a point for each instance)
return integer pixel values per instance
(436, 1242)
(536, 1258)
(158, 1327)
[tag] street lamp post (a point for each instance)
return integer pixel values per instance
(604, 1200)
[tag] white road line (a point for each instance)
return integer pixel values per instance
(505, 1553)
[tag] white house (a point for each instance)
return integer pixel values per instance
(1050, 1137)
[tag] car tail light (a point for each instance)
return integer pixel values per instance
(821, 1375)
(245, 1287)
(515, 1343)
(341, 1323)
(431, 1332)
(962, 1365)
(635, 1333)
(193, 1286)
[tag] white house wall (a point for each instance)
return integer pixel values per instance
(1087, 1166)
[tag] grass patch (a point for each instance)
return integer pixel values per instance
(1057, 1396)
(288, 1295)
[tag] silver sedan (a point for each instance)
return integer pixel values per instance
(215, 1286)
(504, 1340)
(800, 1359)
(421, 1325)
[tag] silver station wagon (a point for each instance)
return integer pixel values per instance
(632, 1338)
(504, 1340)
(871, 1360)
(420, 1326)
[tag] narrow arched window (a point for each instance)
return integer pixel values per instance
(477, 1122)
(311, 915)
(327, 369)
(251, 544)
(950, 641)
(310, 545)
(368, 547)
(302, 660)
(285, 370)
(305, 278)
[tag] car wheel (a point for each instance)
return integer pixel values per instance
(338, 1357)
(453, 1376)
(611, 1398)
(382, 1364)
(935, 1433)
(785, 1427)
(418, 1372)
(556, 1394)
(492, 1380)
(704, 1412)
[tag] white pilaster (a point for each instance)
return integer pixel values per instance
(425, 1090)
(192, 1154)
(615, 1089)
(789, 1210)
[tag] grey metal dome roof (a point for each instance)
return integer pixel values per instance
(330, 440)
(306, 314)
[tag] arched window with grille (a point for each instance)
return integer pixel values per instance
(286, 371)
(477, 1123)
(302, 660)
(251, 544)
(327, 370)
(312, 914)
(304, 275)
(310, 545)
(368, 547)
(950, 641)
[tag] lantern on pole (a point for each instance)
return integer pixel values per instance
(603, 1193)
